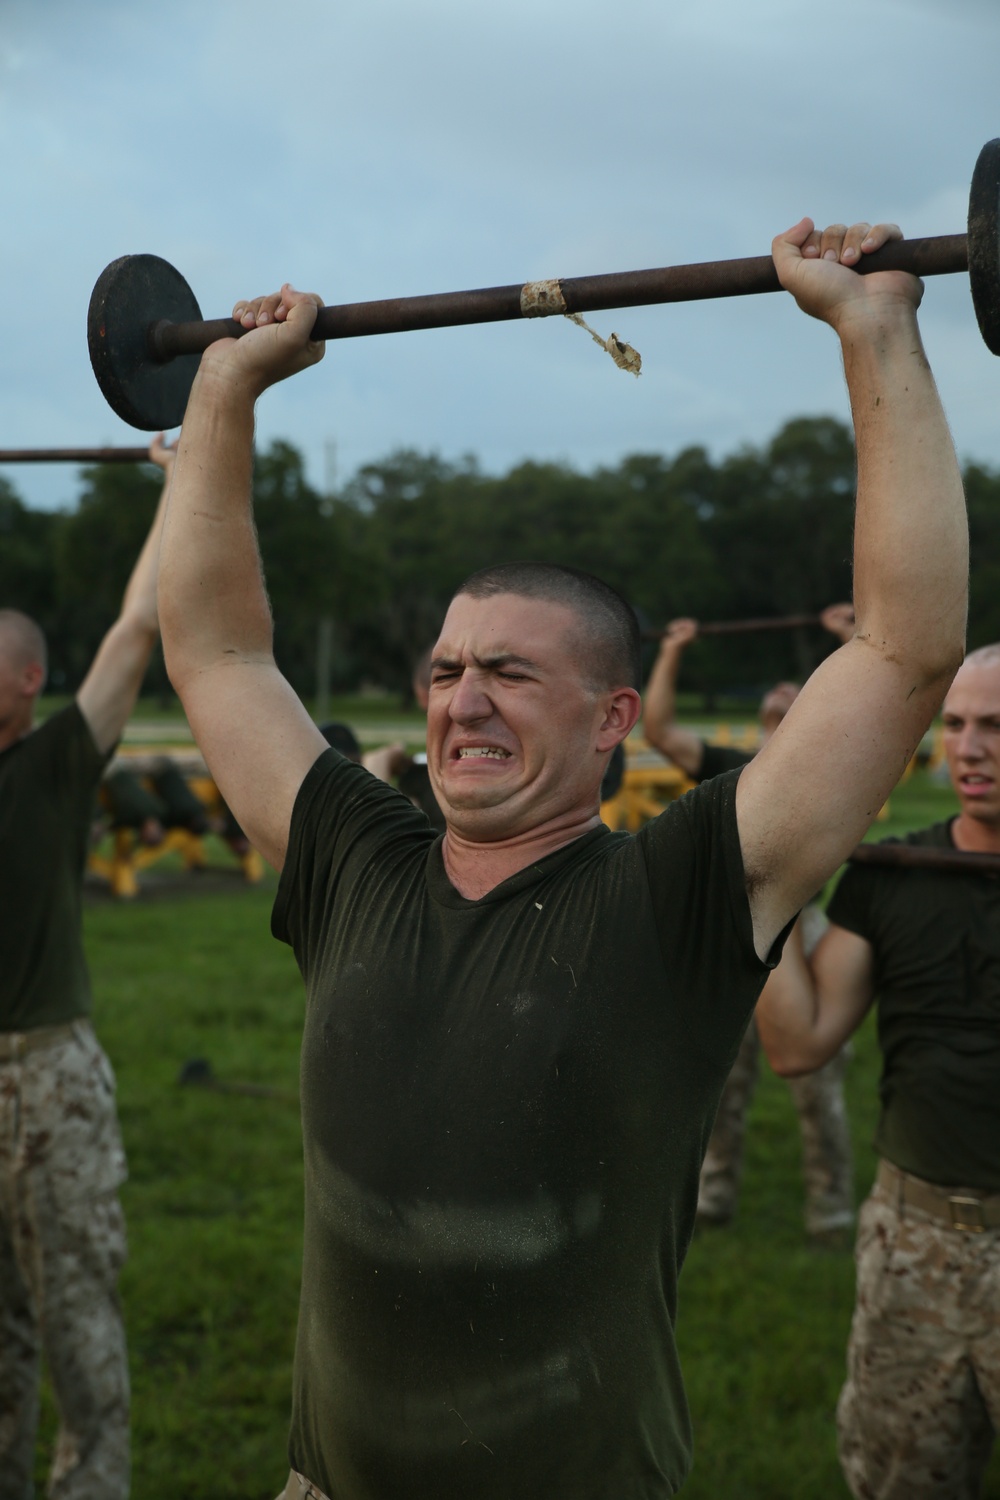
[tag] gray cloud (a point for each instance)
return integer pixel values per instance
(378, 150)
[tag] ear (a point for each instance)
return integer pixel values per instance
(32, 680)
(622, 708)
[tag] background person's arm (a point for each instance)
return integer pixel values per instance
(108, 692)
(808, 1008)
(255, 734)
(659, 702)
(812, 791)
(839, 620)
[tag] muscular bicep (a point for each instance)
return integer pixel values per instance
(810, 794)
(258, 742)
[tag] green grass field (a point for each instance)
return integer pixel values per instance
(214, 1211)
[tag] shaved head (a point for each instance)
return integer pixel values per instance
(609, 628)
(983, 656)
(22, 641)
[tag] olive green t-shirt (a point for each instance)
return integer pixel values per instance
(936, 941)
(505, 1106)
(47, 783)
(717, 759)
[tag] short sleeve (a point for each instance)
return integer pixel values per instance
(694, 866)
(851, 905)
(343, 819)
(64, 752)
(717, 759)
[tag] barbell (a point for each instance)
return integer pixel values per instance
(926, 857)
(74, 456)
(743, 627)
(145, 330)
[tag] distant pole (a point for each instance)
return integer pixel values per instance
(324, 626)
(324, 664)
(330, 467)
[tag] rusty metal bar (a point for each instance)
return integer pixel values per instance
(74, 456)
(926, 857)
(743, 627)
(940, 255)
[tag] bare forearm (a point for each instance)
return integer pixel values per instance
(659, 701)
(808, 1008)
(787, 1010)
(659, 708)
(911, 536)
(213, 604)
(139, 600)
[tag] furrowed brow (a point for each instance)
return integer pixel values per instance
(499, 663)
(504, 660)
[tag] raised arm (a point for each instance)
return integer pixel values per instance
(839, 620)
(808, 1009)
(108, 692)
(659, 702)
(816, 786)
(253, 731)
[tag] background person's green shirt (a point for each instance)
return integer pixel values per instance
(505, 1106)
(936, 937)
(47, 783)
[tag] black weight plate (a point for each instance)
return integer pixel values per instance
(134, 292)
(984, 243)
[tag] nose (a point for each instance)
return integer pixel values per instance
(469, 703)
(969, 745)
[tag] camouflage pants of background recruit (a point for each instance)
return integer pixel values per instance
(917, 1415)
(827, 1165)
(62, 1245)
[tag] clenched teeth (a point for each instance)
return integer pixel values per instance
(491, 752)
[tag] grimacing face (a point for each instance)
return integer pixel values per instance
(516, 737)
(971, 718)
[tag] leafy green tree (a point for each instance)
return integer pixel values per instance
(95, 550)
(982, 488)
(317, 562)
(27, 572)
(762, 531)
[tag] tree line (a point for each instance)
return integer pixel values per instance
(763, 531)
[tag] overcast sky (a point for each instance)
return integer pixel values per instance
(387, 148)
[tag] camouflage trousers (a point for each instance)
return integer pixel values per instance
(922, 1400)
(62, 1245)
(827, 1163)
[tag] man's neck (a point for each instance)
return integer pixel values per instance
(974, 836)
(474, 869)
(12, 732)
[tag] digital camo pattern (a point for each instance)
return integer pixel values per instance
(922, 1398)
(827, 1163)
(62, 1245)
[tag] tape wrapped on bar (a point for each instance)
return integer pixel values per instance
(542, 299)
(624, 356)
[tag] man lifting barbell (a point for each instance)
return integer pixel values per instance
(517, 1034)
